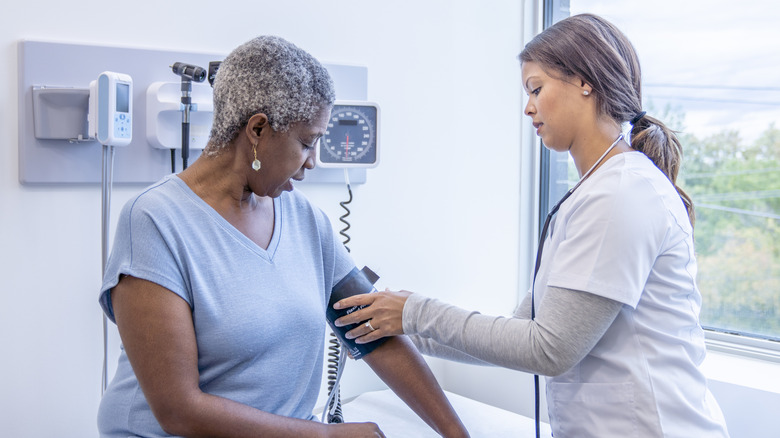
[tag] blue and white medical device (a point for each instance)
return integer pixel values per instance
(110, 117)
(109, 121)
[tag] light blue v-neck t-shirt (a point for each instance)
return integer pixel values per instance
(259, 314)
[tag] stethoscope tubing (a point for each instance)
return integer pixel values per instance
(538, 262)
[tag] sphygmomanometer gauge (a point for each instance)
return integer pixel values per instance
(352, 136)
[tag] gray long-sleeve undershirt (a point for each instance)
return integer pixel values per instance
(566, 327)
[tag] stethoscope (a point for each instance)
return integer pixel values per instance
(542, 238)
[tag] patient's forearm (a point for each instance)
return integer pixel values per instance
(404, 370)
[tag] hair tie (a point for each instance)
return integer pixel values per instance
(637, 117)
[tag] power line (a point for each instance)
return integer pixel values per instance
(739, 196)
(704, 99)
(739, 211)
(711, 87)
(721, 173)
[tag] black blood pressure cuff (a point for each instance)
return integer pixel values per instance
(354, 283)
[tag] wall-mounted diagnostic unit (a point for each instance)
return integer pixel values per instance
(352, 136)
(110, 116)
(53, 107)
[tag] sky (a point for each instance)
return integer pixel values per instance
(718, 61)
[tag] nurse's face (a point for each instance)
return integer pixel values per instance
(554, 105)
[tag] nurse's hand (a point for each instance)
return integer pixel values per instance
(382, 316)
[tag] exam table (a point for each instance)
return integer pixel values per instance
(398, 421)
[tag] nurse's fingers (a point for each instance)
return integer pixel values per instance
(361, 331)
(356, 317)
(354, 300)
(383, 317)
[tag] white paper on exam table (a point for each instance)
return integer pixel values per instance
(398, 421)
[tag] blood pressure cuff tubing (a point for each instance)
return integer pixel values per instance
(354, 283)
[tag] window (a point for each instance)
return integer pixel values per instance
(711, 70)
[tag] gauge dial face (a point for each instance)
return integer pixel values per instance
(351, 137)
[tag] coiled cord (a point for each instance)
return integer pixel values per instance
(334, 357)
(343, 219)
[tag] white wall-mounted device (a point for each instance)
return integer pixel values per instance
(163, 115)
(110, 117)
(352, 136)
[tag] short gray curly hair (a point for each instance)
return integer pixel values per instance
(267, 75)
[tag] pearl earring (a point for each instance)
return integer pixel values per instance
(585, 93)
(256, 163)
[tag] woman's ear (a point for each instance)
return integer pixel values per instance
(585, 88)
(255, 126)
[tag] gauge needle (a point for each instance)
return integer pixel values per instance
(346, 149)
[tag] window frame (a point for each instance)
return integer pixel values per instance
(742, 345)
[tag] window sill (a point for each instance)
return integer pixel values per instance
(745, 362)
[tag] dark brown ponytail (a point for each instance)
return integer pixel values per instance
(654, 139)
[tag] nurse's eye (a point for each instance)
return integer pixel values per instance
(536, 91)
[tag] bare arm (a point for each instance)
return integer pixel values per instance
(403, 369)
(158, 335)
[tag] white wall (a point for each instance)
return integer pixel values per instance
(440, 215)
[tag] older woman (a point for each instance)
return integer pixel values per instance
(220, 276)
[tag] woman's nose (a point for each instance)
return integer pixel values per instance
(529, 109)
(309, 163)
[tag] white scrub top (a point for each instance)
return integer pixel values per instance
(624, 234)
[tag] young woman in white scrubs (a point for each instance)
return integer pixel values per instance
(613, 315)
